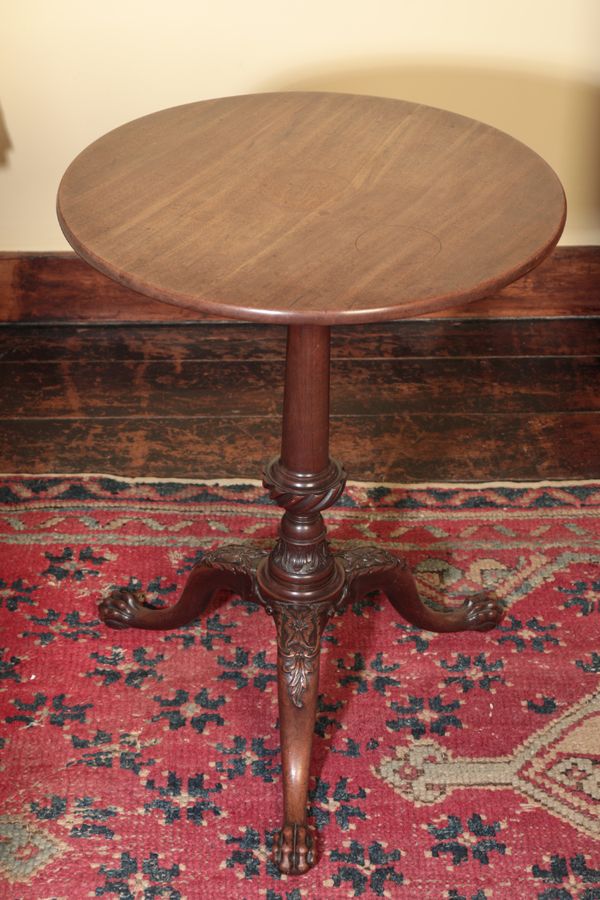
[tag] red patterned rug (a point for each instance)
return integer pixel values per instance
(143, 765)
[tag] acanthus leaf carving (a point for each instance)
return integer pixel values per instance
(299, 630)
(300, 559)
(236, 556)
(359, 557)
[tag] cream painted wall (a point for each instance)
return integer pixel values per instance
(72, 69)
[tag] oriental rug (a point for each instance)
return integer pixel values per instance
(146, 764)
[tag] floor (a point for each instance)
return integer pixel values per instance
(430, 400)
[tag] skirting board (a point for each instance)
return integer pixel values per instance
(60, 288)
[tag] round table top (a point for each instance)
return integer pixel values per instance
(311, 207)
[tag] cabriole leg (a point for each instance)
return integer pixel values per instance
(370, 569)
(231, 567)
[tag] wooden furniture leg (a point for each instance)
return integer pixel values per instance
(369, 569)
(231, 567)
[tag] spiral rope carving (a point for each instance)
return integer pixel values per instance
(289, 492)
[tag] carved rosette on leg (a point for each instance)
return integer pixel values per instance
(371, 568)
(299, 630)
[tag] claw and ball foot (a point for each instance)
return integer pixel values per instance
(293, 853)
(369, 569)
(124, 608)
(479, 612)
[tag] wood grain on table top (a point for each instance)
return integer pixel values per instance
(311, 207)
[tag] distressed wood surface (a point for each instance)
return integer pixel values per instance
(232, 342)
(411, 447)
(358, 387)
(401, 410)
(311, 207)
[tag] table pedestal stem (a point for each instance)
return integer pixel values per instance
(301, 583)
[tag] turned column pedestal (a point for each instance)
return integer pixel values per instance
(301, 583)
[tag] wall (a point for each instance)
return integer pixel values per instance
(71, 70)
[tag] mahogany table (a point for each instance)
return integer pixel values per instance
(308, 209)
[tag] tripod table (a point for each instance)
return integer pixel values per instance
(309, 210)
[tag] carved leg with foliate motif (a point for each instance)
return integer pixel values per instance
(300, 583)
(300, 624)
(298, 637)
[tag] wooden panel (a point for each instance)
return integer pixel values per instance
(395, 448)
(358, 387)
(469, 448)
(11, 295)
(566, 284)
(233, 342)
(149, 400)
(62, 288)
